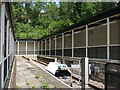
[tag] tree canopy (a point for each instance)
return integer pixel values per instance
(32, 20)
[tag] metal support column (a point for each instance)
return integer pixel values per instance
(34, 47)
(72, 43)
(10, 46)
(7, 44)
(55, 45)
(49, 46)
(45, 47)
(41, 47)
(18, 48)
(86, 41)
(38, 47)
(26, 47)
(84, 73)
(108, 38)
(2, 43)
(63, 47)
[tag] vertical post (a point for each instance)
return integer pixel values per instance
(49, 46)
(79, 71)
(45, 47)
(84, 73)
(71, 76)
(2, 43)
(10, 51)
(26, 47)
(18, 48)
(63, 46)
(72, 43)
(7, 44)
(34, 47)
(55, 45)
(38, 47)
(108, 38)
(41, 47)
(86, 41)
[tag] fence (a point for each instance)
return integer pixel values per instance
(27, 47)
(96, 38)
(7, 44)
(112, 75)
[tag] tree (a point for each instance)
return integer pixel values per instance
(35, 19)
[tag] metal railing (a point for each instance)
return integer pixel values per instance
(112, 75)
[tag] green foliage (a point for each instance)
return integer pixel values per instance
(37, 76)
(45, 85)
(18, 86)
(33, 87)
(34, 20)
(27, 83)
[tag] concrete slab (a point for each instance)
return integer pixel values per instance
(26, 76)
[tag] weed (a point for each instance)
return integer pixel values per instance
(33, 87)
(45, 85)
(37, 76)
(27, 83)
(18, 87)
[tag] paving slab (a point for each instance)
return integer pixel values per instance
(27, 72)
(24, 77)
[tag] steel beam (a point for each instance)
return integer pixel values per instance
(34, 47)
(63, 46)
(72, 43)
(49, 46)
(45, 46)
(86, 41)
(7, 43)
(2, 43)
(108, 38)
(55, 45)
(41, 47)
(26, 47)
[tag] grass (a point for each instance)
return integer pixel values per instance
(18, 87)
(37, 76)
(33, 87)
(27, 83)
(45, 85)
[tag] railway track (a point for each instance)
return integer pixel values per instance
(75, 80)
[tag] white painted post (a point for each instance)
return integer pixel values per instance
(38, 47)
(10, 45)
(49, 46)
(18, 48)
(45, 47)
(34, 47)
(26, 47)
(2, 42)
(41, 47)
(86, 41)
(55, 45)
(108, 38)
(85, 73)
(63, 47)
(79, 70)
(7, 44)
(72, 43)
